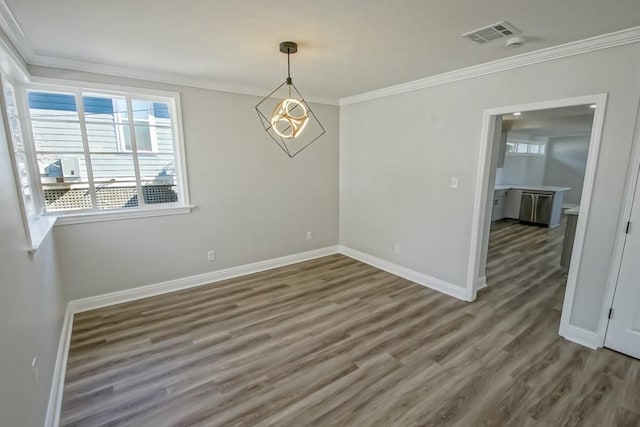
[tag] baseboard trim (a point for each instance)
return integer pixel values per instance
(482, 283)
(581, 336)
(52, 418)
(404, 272)
(128, 295)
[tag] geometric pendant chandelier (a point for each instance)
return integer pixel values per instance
(286, 116)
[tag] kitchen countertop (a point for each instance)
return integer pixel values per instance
(532, 187)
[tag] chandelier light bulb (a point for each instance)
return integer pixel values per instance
(284, 120)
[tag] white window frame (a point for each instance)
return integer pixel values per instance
(143, 210)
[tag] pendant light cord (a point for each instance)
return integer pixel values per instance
(289, 71)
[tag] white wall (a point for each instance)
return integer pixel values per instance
(566, 165)
(395, 169)
(252, 202)
(523, 169)
(31, 311)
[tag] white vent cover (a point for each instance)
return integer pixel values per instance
(491, 33)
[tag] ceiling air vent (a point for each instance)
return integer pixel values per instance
(491, 33)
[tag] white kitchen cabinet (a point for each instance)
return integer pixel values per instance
(499, 204)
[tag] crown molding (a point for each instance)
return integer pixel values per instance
(175, 79)
(9, 25)
(618, 38)
(11, 61)
(14, 32)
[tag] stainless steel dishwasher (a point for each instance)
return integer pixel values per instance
(535, 207)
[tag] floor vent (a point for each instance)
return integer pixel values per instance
(491, 33)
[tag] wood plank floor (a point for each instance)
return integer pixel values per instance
(334, 342)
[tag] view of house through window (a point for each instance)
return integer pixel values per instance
(98, 152)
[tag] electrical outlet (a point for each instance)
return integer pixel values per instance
(211, 255)
(396, 248)
(35, 369)
(309, 235)
(454, 182)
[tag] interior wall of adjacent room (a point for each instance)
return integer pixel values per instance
(566, 165)
(396, 169)
(251, 201)
(31, 310)
(524, 169)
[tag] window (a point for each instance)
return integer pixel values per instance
(98, 151)
(526, 148)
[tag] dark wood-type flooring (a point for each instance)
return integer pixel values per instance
(334, 342)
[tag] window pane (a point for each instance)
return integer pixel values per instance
(113, 167)
(62, 167)
(542, 148)
(120, 111)
(161, 111)
(522, 148)
(157, 167)
(161, 191)
(66, 197)
(102, 114)
(50, 135)
(141, 109)
(534, 148)
(102, 137)
(64, 181)
(164, 139)
(98, 108)
(53, 106)
(143, 137)
(117, 195)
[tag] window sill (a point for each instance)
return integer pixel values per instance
(116, 216)
(39, 229)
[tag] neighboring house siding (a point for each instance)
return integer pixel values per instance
(64, 136)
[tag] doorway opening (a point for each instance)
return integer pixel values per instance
(535, 179)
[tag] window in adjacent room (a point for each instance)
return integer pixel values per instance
(526, 148)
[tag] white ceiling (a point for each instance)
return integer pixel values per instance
(346, 47)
